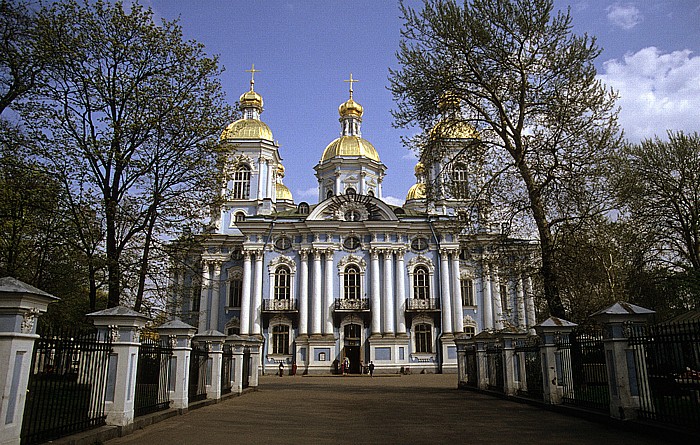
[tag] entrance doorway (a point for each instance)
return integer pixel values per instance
(351, 350)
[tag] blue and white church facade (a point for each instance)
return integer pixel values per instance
(349, 276)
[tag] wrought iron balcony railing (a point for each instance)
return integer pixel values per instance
(279, 306)
(422, 304)
(352, 305)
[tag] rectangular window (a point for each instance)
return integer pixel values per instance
(467, 292)
(424, 338)
(280, 339)
(235, 292)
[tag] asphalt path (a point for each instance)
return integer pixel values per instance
(412, 409)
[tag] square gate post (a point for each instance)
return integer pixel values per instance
(510, 385)
(619, 357)
(20, 305)
(255, 345)
(461, 343)
(214, 341)
(237, 346)
(482, 376)
(123, 325)
(180, 335)
(548, 330)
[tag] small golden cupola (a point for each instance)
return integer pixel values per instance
(451, 125)
(417, 191)
(251, 106)
(350, 142)
(283, 193)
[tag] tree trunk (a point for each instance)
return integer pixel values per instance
(144, 259)
(113, 274)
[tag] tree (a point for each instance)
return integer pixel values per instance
(527, 85)
(658, 188)
(131, 113)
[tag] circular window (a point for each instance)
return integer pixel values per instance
(237, 255)
(283, 243)
(351, 243)
(419, 244)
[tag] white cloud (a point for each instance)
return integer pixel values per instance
(392, 200)
(625, 16)
(658, 91)
(308, 193)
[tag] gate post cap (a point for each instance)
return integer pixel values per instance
(120, 316)
(621, 312)
(210, 335)
(20, 305)
(176, 328)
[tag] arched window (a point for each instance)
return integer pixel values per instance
(329, 194)
(303, 208)
(350, 191)
(467, 288)
(280, 339)
(282, 283)
(352, 282)
(460, 181)
(421, 285)
(469, 330)
(239, 216)
(240, 184)
(424, 338)
(370, 193)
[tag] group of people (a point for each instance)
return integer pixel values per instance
(345, 368)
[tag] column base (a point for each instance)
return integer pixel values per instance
(449, 354)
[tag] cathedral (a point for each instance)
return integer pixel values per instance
(350, 279)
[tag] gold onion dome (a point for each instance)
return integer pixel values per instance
(350, 146)
(283, 192)
(251, 99)
(280, 170)
(247, 129)
(453, 129)
(350, 108)
(417, 191)
(419, 169)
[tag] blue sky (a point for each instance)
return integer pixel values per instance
(305, 49)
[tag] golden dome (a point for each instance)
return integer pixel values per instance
(350, 107)
(453, 130)
(417, 191)
(350, 146)
(283, 192)
(247, 129)
(251, 99)
(419, 169)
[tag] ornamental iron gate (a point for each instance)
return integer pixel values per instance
(152, 376)
(199, 359)
(529, 351)
(581, 369)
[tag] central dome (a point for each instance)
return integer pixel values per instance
(350, 146)
(247, 129)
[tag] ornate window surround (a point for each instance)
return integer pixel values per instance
(423, 319)
(233, 273)
(279, 320)
(468, 275)
(234, 322)
(420, 260)
(342, 264)
(272, 268)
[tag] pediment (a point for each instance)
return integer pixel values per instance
(352, 207)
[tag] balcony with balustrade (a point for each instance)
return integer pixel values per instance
(347, 305)
(422, 305)
(279, 306)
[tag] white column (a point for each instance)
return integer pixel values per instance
(376, 305)
(215, 296)
(328, 294)
(445, 297)
(487, 300)
(520, 298)
(316, 305)
(337, 184)
(389, 303)
(304, 293)
(255, 313)
(204, 297)
(363, 188)
(458, 321)
(268, 179)
(245, 297)
(497, 302)
(400, 293)
(260, 178)
(530, 302)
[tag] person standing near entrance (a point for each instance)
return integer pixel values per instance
(346, 365)
(281, 369)
(371, 369)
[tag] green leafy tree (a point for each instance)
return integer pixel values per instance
(132, 110)
(527, 84)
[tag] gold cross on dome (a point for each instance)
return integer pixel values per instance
(252, 72)
(351, 81)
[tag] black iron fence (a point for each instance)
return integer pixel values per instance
(226, 369)
(494, 365)
(471, 365)
(527, 352)
(199, 360)
(152, 376)
(667, 364)
(582, 370)
(67, 385)
(245, 378)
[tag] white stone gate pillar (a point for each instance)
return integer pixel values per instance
(181, 335)
(548, 330)
(20, 304)
(123, 324)
(214, 341)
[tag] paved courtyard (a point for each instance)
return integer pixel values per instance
(415, 409)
